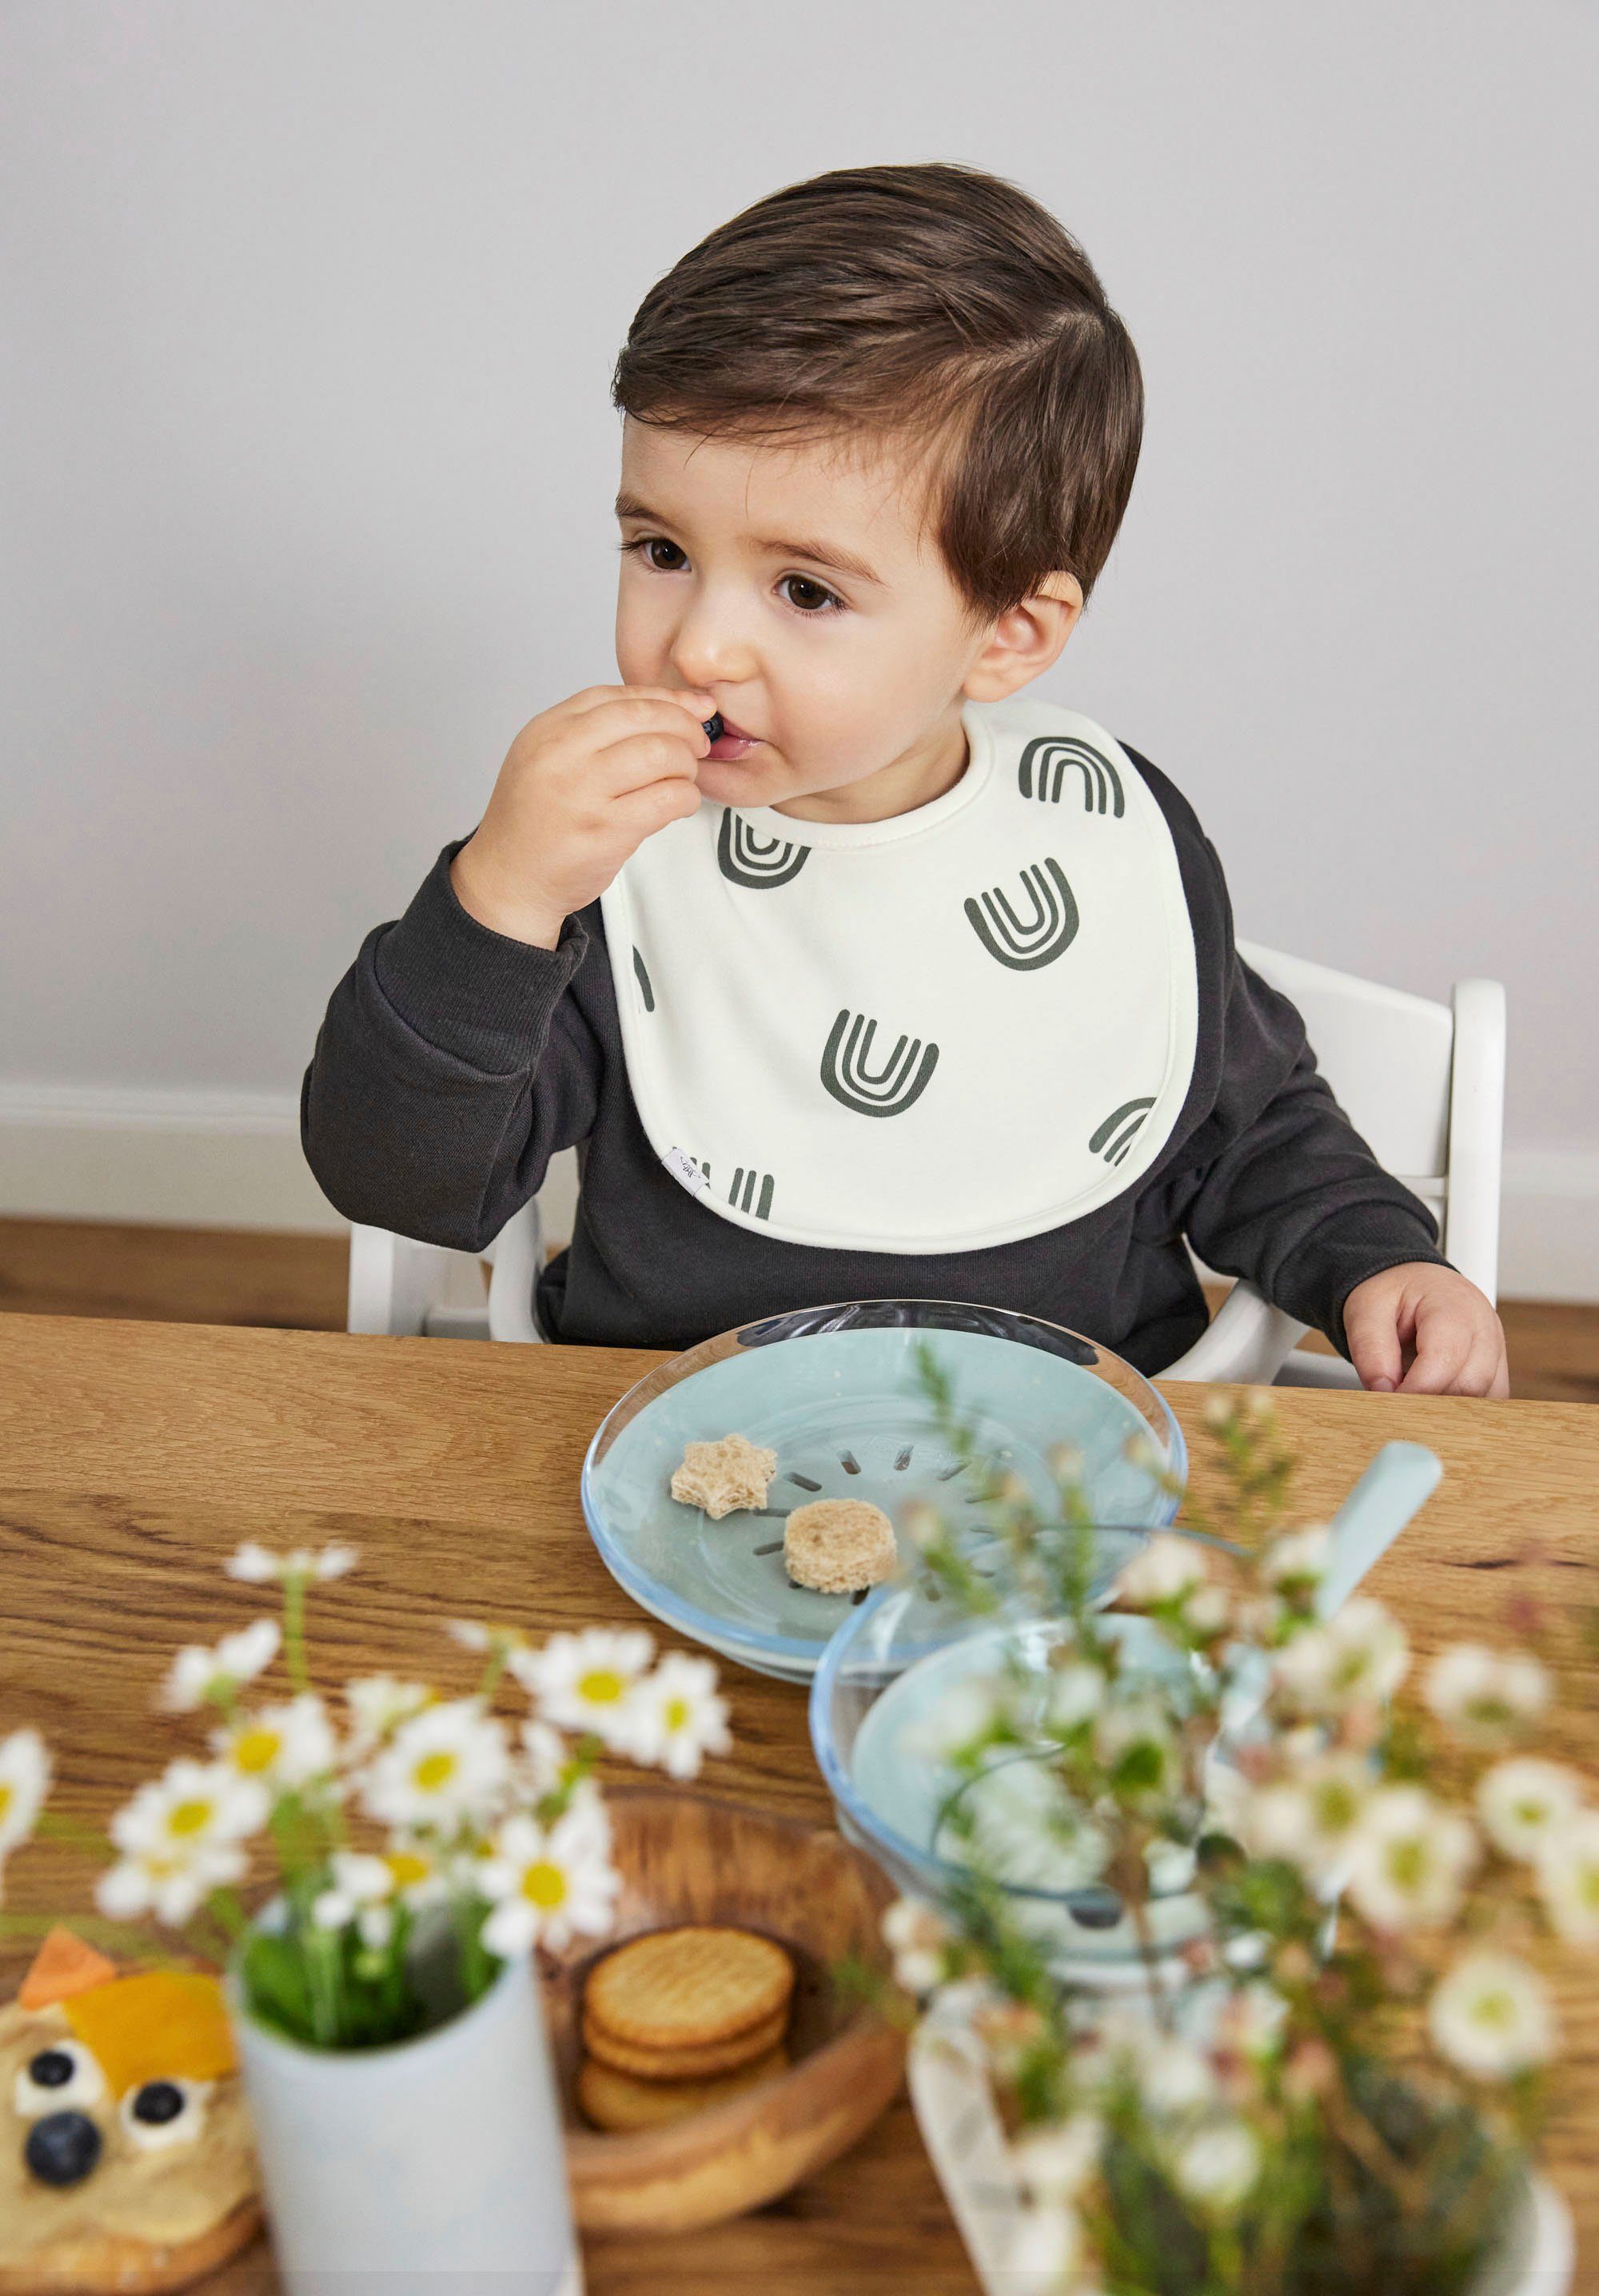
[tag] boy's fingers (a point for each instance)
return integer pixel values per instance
(1486, 1372)
(644, 811)
(634, 764)
(688, 698)
(1443, 1347)
(1372, 1331)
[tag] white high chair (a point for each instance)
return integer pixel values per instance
(1424, 1083)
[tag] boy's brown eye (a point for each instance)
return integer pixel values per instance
(659, 542)
(818, 601)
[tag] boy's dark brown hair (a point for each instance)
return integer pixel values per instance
(932, 304)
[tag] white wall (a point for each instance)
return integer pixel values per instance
(308, 309)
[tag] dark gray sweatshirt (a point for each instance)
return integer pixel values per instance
(454, 1063)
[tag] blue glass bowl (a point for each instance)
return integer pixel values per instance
(879, 1712)
(834, 1392)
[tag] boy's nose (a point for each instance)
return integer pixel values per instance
(709, 650)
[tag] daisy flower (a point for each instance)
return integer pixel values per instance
(1310, 1817)
(378, 1704)
(547, 1884)
(258, 1566)
(1168, 1570)
(1217, 2168)
(1485, 1696)
(285, 1747)
(677, 1717)
(1299, 1562)
(1490, 2015)
(544, 1755)
(449, 1765)
(1360, 1655)
(179, 1839)
(24, 1782)
(588, 1681)
(1409, 1859)
(192, 1806)
(365, 1890)
(1568, 1877)
(1525, 1803)
(172, 1884)
(359, 1891)
(198, 1676)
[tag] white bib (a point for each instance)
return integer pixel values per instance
(968, 1024)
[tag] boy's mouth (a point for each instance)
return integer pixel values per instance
(732, 742)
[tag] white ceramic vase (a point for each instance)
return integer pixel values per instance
(408, 2166)
(965, 2139)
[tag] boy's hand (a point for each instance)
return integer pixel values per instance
(1422, 1330)
(580, 790)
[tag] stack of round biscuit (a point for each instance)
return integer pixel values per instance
(676, 2020)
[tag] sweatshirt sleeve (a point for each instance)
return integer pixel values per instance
(450, 1066)
(1286, 1192)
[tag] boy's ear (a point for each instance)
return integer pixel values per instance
(1024, 642)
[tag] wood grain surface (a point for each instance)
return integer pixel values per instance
(134, 1457)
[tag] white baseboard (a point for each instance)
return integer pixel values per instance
(232, 1159)
(183, 1159)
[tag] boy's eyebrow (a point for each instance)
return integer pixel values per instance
(822, 553)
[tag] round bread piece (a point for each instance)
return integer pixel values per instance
(685, 2064)
(688, 1988)
(620, 2102)
(839, 1545)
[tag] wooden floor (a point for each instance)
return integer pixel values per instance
(230, 1276)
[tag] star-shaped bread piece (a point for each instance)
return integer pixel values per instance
(723, 1476)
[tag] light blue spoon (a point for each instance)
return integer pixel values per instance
(1400, 1478)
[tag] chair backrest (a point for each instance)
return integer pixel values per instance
(1422, 1082)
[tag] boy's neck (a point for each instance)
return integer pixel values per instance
(926, 772)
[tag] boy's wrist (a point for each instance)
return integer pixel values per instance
(514, 916)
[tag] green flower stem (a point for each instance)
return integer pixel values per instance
(50, 1826)
(114, 1936)
(493, 1673)
(226, 1909)
(294, 1631)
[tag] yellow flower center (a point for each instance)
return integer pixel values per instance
(6, 1798)
(1493, 2009)
(257, 1749)
(406, 1868)
(189, 1817)
(435, 1770)
(543, 1885)
(1408, 1863)
(1335, 1806)
(602, 1687)
(677, 1713)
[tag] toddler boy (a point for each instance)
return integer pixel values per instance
(897, 981)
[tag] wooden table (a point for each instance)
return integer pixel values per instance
(134, 1457)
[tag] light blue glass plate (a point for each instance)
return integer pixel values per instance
(835, 1393)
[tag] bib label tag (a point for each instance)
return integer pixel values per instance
(682, 1167)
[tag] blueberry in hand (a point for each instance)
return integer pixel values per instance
(713, 725)
(63, 2148)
